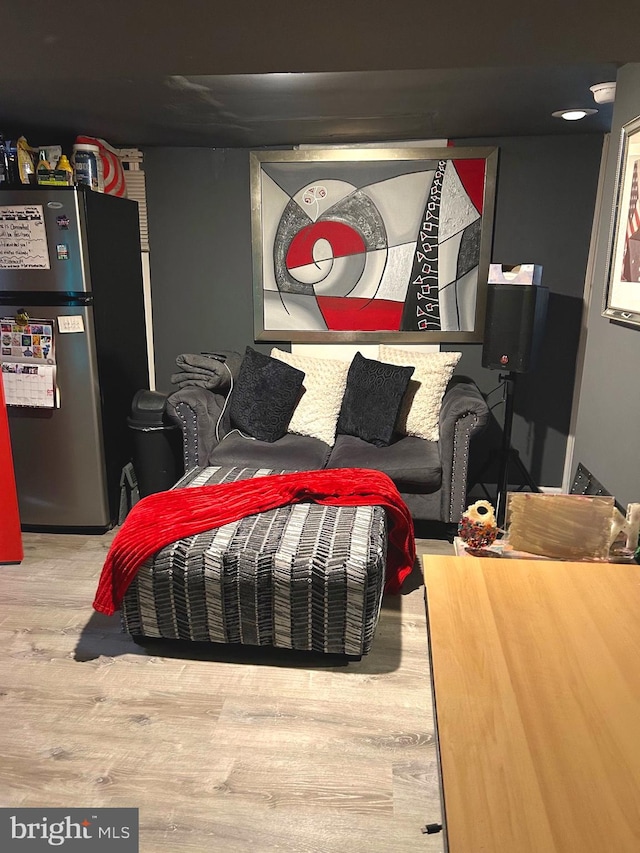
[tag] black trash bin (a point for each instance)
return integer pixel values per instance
(157, 443)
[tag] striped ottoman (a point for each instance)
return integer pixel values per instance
(304, 576)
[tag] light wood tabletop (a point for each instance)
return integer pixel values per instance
(536, 676)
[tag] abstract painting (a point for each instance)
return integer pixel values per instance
(368, 244)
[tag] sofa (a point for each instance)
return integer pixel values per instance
(406, 414)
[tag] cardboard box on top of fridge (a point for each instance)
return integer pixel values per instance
(515, 274)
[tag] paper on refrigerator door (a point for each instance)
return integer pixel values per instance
(29, 384)
(28, 363)
(23, 238)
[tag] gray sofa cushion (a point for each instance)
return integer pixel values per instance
(412, 463)
(291, 452)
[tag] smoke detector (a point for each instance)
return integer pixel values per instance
(603, 93)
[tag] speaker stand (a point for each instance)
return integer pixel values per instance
(507, 456)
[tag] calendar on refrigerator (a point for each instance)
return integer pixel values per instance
(28, 362)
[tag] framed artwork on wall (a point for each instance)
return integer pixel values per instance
(372, 244)
(622, 292)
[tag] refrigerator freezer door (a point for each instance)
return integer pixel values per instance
(58, 453)
(28, 262)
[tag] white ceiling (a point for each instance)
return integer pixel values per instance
(250, 74)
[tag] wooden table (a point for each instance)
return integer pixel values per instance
(536, 675)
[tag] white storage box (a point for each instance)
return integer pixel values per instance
(515, 274)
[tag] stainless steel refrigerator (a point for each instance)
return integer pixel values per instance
(71, 258)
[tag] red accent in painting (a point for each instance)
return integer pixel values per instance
(344, 241)
(344, 313)
(471, 173)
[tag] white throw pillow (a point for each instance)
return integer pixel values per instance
(323, 386)
(420, 409)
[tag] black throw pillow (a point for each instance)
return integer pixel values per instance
(264, 396)
(372, 399)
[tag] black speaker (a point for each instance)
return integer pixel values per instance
(514, 326)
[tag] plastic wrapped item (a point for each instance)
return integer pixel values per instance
(26, 165)
(52, 153)
(563, 527)
(632, 528)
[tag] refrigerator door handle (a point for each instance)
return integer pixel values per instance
(22, 297)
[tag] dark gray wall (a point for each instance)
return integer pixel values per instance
(200, 232)
(200, 236)
(607, 432)
(544, 215)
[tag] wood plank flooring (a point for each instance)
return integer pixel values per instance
(221, 749)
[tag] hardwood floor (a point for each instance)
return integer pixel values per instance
(221, 749)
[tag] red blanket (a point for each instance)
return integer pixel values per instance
(165, 517)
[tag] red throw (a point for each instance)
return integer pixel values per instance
(165, 517)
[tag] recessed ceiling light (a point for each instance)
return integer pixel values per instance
(573, 115)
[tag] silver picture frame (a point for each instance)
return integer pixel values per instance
(621, 299)
(372, 244)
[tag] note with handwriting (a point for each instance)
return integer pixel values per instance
(23, 238)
